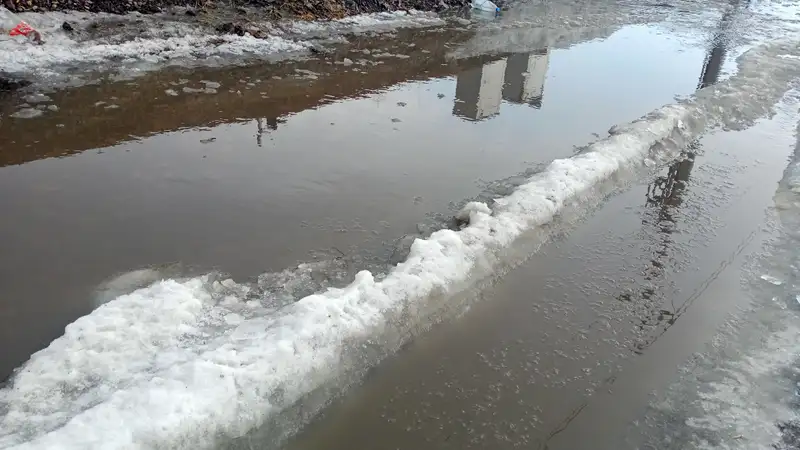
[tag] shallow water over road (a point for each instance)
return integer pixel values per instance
(294, 176)
(345, 164)
(563, 351)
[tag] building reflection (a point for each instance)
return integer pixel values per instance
(479, 91)
(665, 194)
(271, 125)
(518, 78)
(524, 78)
(715, 58)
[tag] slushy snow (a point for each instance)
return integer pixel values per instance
(361, 23)
(186, 364)
(169, 42)
(20, 56)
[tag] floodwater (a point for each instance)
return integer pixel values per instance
(563, 351)
(338, 161)
(344, 165)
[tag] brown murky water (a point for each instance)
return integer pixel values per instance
(292, 162)
(563, 351)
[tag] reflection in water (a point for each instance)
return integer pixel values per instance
(518, 78)
(478, 91)
(665, 193)
(716, 55)
(713, 64)
(525, 75)
(272, 125)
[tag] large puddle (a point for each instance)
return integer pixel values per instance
(335, 163)
(566, 350)
(288, 170)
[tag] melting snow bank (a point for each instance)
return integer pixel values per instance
(193, 363)
(742, 393)
(155, 41)
(102, 42)
(362, 23)
(152, 51)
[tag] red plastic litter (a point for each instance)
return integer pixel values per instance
(22, 29)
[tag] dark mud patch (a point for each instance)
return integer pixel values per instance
(9, 83)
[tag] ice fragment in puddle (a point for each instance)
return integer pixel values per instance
(37, 98)
(772, 280)
(27, 113)
(485, 5)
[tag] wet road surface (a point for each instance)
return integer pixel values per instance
(243, 187)
(341, 160)
(563, 351)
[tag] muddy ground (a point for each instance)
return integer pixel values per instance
(304, 9)
(223, 17)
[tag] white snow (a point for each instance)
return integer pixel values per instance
(772, 280)
(27, 113)
(183, 364)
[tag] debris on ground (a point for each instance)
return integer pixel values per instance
(274, 9)
(23, 29)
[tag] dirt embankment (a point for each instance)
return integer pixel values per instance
(304, 9)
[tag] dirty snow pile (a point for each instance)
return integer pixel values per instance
(362, 23)
(190, 364)
(24, 58)
(158, 40)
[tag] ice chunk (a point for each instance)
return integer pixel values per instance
(485, 5)
(772, 280)
(27, 113)
(37, 98)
